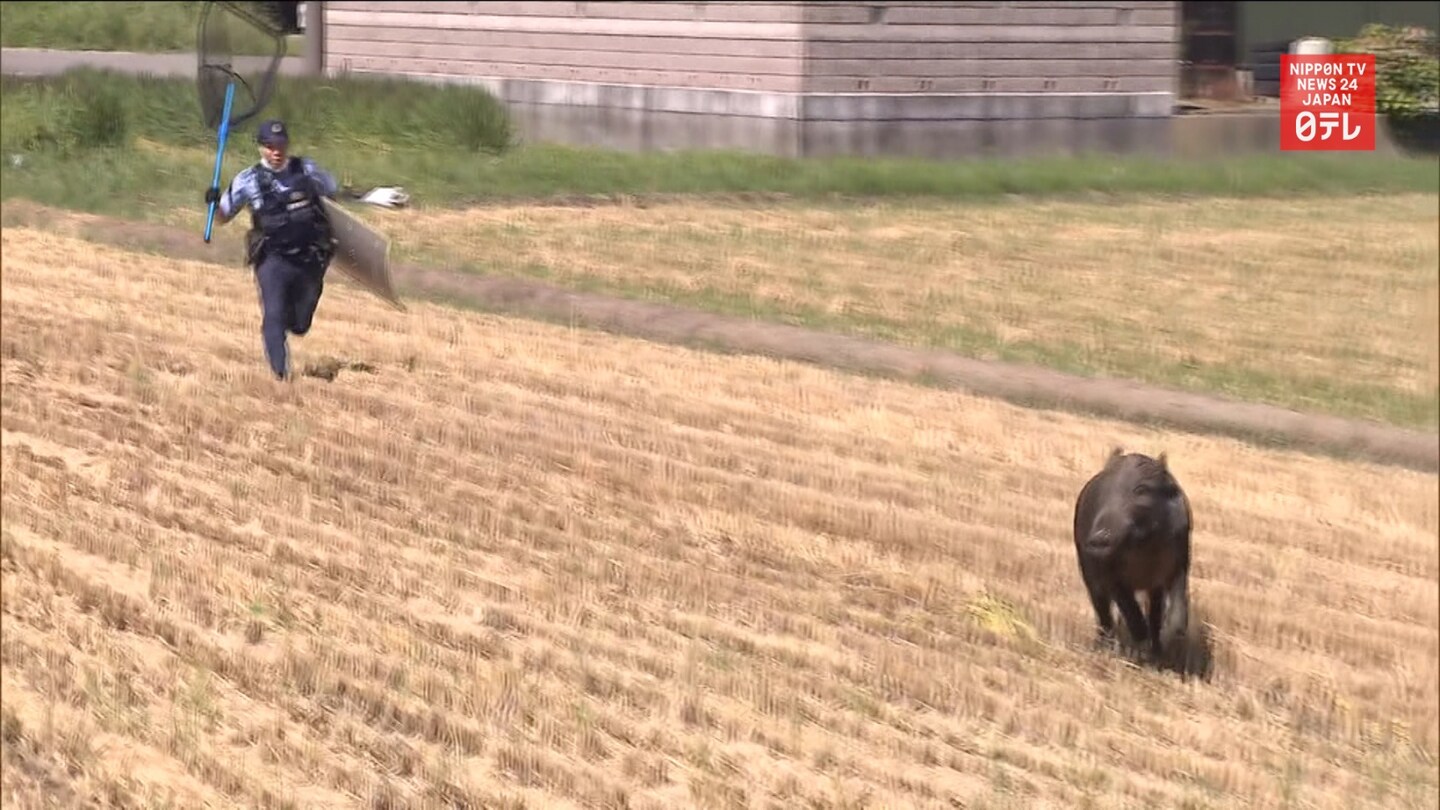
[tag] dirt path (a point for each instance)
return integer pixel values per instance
(1025, 385)
(52, 62)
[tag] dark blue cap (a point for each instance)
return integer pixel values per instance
(273, 131)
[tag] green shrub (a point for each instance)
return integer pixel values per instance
(111, 25)
(479, 123)
(98, 119)
(1407, 68)
(397, 112)
(94, 108)
(73, 113)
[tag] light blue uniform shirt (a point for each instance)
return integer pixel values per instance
(244, 190)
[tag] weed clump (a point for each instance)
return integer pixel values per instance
(88, 108)
(75, 113)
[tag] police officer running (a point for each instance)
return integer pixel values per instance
(289, 242)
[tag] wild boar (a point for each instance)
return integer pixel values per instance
(1132, 534)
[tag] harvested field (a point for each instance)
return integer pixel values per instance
(1266, 300)
(503, 562)
(1027, 385)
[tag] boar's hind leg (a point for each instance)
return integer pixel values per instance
(1155, 615)
(1177, 623)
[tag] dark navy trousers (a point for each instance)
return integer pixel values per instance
(289, 292)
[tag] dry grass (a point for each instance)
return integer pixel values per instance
(1313, 304)
(519, 565)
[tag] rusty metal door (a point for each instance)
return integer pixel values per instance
(1208, 50)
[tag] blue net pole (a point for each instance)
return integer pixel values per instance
(224, 135)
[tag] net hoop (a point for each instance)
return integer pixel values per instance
(215, 70)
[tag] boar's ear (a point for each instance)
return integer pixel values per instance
(1161, 461)
(1113, 458)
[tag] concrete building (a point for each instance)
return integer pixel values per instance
(934, 79)
(1264, 30)
(800, 78)
(1232, 49)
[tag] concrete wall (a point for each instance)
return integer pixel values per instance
(965, 78)
(935, 79)
(714, 46)
(993, 48)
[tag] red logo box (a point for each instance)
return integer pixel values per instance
(1327, 102)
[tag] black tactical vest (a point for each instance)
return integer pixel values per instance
(291, 222)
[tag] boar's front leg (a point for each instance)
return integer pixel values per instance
(1134, 620)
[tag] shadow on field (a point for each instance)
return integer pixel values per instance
(328, 368)
(1191, 655)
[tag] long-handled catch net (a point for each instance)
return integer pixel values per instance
(240, 46)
